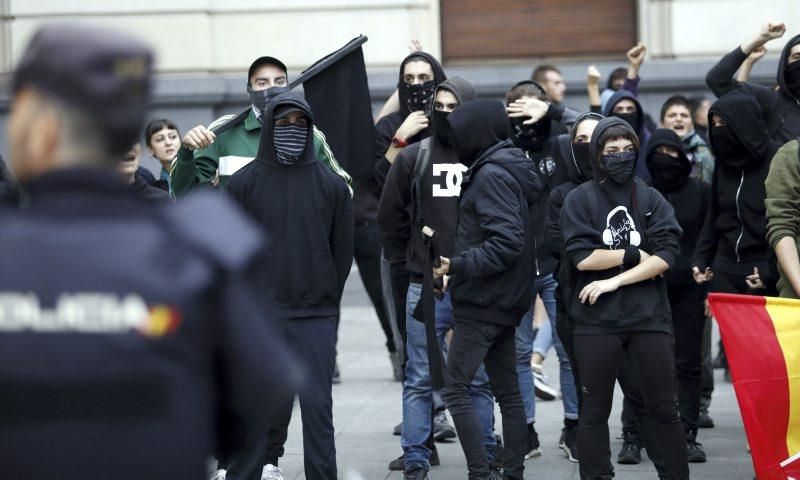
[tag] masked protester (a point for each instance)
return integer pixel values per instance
(624, 104)
(781, 107)
(676, 115)
(419, 75)
(128, 167)
(619, 234)
(425, 193)
(305, 211)
(551, 157)
(203, 158)
(733, 253)
(491, 278)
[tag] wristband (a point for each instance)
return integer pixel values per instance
(632, 257)
(398, 142)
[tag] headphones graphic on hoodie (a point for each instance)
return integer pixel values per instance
(608, 235)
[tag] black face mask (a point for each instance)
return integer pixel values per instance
(261, 98)
(619, 166)
(441, 127)
(582, 155)
(791, 76)
(419, 96)
(728, 149)
(669, 173)
(530, 137)
(631, 118)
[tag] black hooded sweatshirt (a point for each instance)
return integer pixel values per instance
(400, 218)
(492, 268)
(733, 239)
(605, 215)
(689, 197)
(366, 192)
(147, 192)
(642, 131)
(305, 211)
(781, 108)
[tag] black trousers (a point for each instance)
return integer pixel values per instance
(367, 253)
(313, 341)
(598, 358)
(494, 345)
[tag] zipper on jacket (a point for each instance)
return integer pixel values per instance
(535, 255)
(739, 215)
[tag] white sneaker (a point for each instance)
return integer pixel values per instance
(271, 472)
(218, 474)
(542, 389)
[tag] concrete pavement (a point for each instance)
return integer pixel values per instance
(367, 405)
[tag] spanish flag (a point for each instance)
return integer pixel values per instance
(762, 343)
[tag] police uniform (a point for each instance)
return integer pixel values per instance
(124, 326)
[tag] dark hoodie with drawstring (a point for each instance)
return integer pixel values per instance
(638, 121)
(781, 108)
(388, 125)
(399, 216)
(602, 214)
(305, 211)
(733, 239)
(689, 197)
(492, 265)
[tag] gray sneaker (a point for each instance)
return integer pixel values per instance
(442, 430)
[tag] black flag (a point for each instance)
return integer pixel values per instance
(336, 88)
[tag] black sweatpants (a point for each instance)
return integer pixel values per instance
(495, 345)
(367, 253)
(598, 358)
(313, 341)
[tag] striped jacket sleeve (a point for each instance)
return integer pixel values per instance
(325, 155)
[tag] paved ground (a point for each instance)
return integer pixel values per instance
(367, 405)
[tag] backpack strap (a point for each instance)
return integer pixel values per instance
(420, 167)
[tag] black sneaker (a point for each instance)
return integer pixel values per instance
(569, 440)
(532, 447)
(705, 421)
(631, 453)
(416, 472)
(398, 429)
(442, 430)
(399, 463)
(696, 453)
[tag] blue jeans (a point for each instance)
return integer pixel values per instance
(545, 286)
(544, 337)
(417, 393)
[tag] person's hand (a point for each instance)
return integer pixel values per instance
(636, 55)
(754, 280)
(593, 291)
(532, 107)
(413, 124)
(198, 137)
(770, 31)
(442, 269)
(592, 75)
(706, 309)
(702, 277)
(414, 46)
(756, 54)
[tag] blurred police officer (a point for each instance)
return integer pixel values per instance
(124, 327)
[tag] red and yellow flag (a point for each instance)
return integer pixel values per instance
(762, 343)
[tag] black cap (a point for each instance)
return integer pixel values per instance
(103, 72)
(284, 110)
(264, 61)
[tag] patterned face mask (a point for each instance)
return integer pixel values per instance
(419, 96)
(619, 166)
(290, 141)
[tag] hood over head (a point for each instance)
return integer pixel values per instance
(477, 126)
(464, 92)
(668, 173)
(438, 77)
(634, 120)
(745, 119)
(284, 103)
(791, 91)
(580, 165)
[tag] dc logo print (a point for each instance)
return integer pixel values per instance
(454, 174)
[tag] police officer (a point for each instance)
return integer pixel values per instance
(124, 327)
